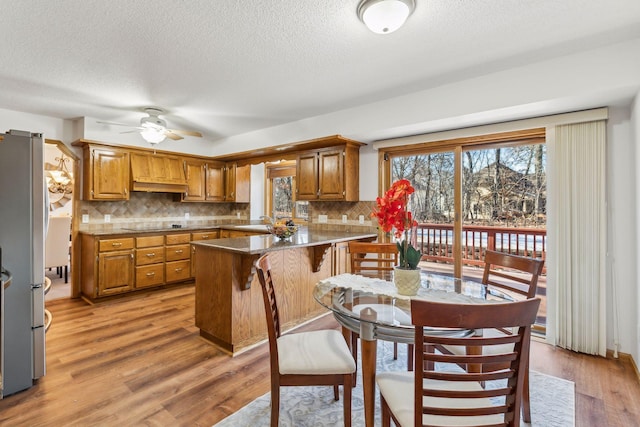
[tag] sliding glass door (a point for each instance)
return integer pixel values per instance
(473, 195)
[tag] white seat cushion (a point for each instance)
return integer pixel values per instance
(397, 389)
(316, 352)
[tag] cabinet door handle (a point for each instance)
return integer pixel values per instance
(178, 270)
(205, 237)
(151, 255)
(151, 274)
(116, 244)
(178, 251)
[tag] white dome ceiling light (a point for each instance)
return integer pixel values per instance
(385, 16)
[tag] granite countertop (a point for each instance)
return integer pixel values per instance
(257, 226)
(267, 243)
(147, 229)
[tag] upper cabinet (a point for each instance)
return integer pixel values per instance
(329, 174)
(212, 181)
(237, 183)
(157, 172)
(205, 181)
(105, 173)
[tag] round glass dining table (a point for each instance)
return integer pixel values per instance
(372, 308)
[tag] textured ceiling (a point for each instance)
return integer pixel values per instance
(226, 67)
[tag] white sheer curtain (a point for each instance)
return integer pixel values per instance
(576, 262)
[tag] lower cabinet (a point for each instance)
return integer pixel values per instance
(113, 264)
(149, 261)
(177, 258)
(115, 272)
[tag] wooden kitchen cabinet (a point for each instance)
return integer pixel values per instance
(237, 183)
(107, 266)
(150, 255)
(177, 257)
(215, 181)
(105, 173)
(195, 174)
(157, 172)
(206, 181)
(329, 174)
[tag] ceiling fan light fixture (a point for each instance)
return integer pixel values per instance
(385, 16)
(152, 134)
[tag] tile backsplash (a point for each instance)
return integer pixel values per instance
(159, 209)
(162, 209)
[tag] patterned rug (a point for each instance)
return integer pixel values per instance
(552, 401)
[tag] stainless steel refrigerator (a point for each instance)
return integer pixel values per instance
(23, 216)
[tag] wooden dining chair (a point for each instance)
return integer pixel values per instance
(516, 276)
(377, 260)
(438, 392)
(305, 358)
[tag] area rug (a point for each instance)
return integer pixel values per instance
(552, 401)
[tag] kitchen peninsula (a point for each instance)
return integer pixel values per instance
(229, 307)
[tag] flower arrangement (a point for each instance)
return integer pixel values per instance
(392, 214)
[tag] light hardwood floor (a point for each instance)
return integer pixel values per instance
(140, 361)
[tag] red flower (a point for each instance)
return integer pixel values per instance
(392, 215)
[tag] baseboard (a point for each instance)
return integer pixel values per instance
(626, 357)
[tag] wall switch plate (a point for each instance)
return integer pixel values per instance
(344, 218)
(322, 219)
(186, 215)
(85, 218)
(361, 219)
(238, 215)
(107, 218)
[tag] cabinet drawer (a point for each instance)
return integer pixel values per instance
(178, 270)
(149, 241)
(176, 239)
(177, 252)
(115, 244)
(205, 235)
(150, 255)
(149, 275)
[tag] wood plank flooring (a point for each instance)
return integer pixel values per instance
(140, 361)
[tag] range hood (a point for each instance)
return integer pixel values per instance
(157, 173)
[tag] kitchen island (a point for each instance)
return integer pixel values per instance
(229, 306)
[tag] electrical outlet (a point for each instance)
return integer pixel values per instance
(238, 215)
(107, 218)
(186, 215)
(344, 218)
(85, 218)
(322, 219)
(361, 219)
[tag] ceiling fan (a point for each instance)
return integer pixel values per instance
(154, 129)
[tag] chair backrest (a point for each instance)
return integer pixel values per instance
(56, 252)
(513, 273)
(461, 391)
(263, 270)
(373, 259)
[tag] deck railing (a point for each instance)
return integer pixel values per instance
(435, 241)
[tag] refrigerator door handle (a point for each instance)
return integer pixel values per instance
(37, 298)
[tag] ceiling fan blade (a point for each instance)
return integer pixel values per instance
(186, 132)
(169, 134)
(113, 123)
(132, 131)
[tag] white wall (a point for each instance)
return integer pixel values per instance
(257, 191)
(622, 289)
(635, 154)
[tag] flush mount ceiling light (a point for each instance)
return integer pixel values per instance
(385, 16)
